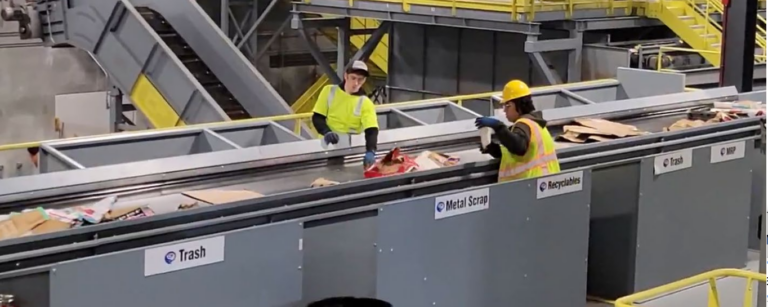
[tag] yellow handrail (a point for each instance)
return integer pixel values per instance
(710, 277)
(298, 118)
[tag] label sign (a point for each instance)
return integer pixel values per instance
(182, 256)
(674, 161)
(559, 184)
(462, 203)
(727, 152)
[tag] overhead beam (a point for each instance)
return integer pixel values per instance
(552, 45)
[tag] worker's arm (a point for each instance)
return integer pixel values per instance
(321, 112)
(515, 140)
(370, 125)
(494, 150)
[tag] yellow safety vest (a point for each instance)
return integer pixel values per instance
(539, 160)
(343, 114)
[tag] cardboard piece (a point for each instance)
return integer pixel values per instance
(609, 127)
(322, 182)
(19, 224)
(428, 160)
(573, 137)
(393, 163)
(51, 225)
(585, 130)
(218, 197)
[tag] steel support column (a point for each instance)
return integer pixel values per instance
(574, 57)
(738, 47)
(343, 47)
(367, 49)
(239, 31)
(224, 13)
(315, 51)
(256, 23)
(115, 109)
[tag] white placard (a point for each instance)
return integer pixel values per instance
(727, 152)
(169, 258)
(461, 203)
(559, 184)
(673, 161)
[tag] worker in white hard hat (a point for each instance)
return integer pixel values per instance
(345, 108)
(527, 149)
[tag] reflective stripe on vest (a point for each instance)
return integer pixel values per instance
(541, 159)
(358, 107)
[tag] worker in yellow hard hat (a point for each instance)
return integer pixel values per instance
(527, 149)
(345, 108)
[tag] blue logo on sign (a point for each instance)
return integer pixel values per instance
(722, 151)
(170, 257)
(543, 186)
(666, 162)
(440, 207)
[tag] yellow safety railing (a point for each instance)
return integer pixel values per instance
(305, 117)
(760, 58)
(717, 6)
(709, 277)
(517, 7)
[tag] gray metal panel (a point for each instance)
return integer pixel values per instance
(50, 163)
(257, 134)
(753, 96)
(229, 65)
(339, 258)
(32, 290)
(692, 220)
(638, 83)
(406, 65)
(599, 94)
(509, 61)
(612, 230)
(758, 207)
(250, 275)
(134, 150)
(133, 47)
(442, 60)
(599, 62)
(514, 253)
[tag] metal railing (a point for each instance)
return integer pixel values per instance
(760, 36)
(759, 58)
(305, 117)
(710, 277)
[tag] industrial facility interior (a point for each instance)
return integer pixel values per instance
(163, 153)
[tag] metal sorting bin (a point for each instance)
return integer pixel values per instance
(665, 217)
(505, 247)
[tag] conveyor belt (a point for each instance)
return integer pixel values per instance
(196, 66)
(289, 203)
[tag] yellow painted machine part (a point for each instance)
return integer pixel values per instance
(153, 105)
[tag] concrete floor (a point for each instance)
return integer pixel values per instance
(731, 291)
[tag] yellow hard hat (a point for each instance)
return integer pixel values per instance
(514, 89)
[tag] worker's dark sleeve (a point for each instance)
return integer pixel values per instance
(515, 140)
(371, 139)
(318, 120)
(494, 150)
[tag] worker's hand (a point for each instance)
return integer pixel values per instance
(369, 159)
(331, 138)
(489, 122)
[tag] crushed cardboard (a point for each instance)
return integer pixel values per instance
(597, 130)
(322, 182)
(21, 224)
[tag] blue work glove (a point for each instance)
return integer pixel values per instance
(331, 138)
(489, 122)
(369, 159)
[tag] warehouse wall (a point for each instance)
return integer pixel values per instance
(30, 77)
(452, 61)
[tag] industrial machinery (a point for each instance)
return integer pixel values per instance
(616, 201)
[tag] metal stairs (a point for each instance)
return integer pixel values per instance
(692, 22)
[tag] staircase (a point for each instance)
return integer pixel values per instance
(691, 22)
(378, 58)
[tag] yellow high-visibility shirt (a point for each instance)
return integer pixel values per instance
(346, 113)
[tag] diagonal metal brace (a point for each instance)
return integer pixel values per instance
(542, 67)
(315, 51)
(367, 49)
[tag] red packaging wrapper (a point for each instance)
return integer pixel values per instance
(392, 164)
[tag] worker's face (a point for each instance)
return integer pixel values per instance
(353, 82)
(510, 111)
